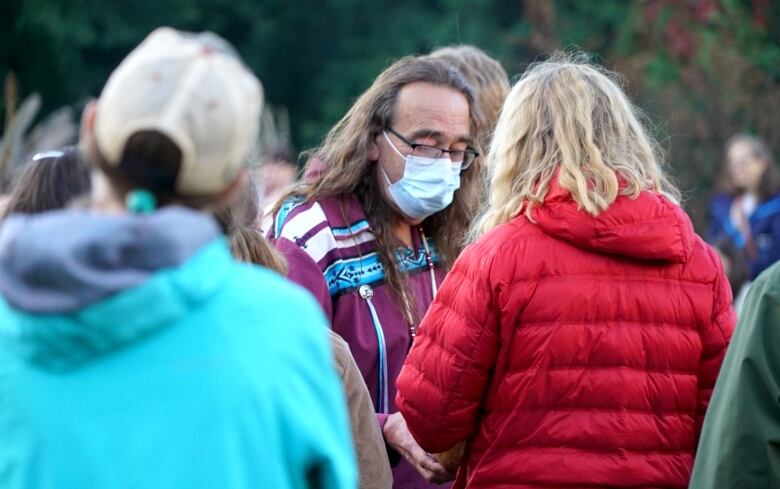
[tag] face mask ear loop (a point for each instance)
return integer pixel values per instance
(382, 168)
(384, 174)
(390, 142)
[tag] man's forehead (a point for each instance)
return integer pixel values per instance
(422, 104)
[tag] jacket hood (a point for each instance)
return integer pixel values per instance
(649, 227)
(77, 284)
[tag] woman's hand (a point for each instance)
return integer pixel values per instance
(398, 436)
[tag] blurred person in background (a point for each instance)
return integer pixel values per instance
(136, 351)
(247, 244)
(488, 79)
(51, 180)
(577, 341)
(747, 213)
(276, 174)
(379, 219)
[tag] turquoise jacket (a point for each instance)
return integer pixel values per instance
(136, 353)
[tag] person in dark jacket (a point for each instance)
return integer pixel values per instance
(747, 212)
(739, 442)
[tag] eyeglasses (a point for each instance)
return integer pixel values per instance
(463, 156)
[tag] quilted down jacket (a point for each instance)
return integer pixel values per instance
(573, 351)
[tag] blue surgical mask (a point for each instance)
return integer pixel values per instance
(426, 187)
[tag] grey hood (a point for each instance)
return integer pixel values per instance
(63, 261)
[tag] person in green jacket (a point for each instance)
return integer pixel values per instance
(135, 351)
(740, 442)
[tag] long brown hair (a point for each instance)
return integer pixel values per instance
(50, 181)
(239, 222)
(150, 161)
(345, 167)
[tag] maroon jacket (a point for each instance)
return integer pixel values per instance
(330, 250)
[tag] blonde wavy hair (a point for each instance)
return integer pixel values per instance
(569, 118)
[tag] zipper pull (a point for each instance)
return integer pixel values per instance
(366, 292)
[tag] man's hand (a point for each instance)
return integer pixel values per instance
(398, 436)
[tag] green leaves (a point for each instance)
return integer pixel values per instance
(707, 68)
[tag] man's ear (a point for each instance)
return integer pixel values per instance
(87, 141)
(88, 115)
(373, 149)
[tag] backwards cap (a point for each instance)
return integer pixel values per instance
(195, 90)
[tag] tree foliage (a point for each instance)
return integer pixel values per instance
(703, 69)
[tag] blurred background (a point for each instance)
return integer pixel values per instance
(701, 69)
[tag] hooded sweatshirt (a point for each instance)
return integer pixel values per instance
(572, 350)
(135, 352)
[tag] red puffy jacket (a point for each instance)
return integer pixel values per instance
(574, 351)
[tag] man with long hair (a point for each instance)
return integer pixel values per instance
(373, 230)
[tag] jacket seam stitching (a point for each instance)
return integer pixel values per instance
(608, 323)
(590, 449)
(692, 373)
(666, 412)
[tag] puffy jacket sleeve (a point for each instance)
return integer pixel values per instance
(738, 445)
(444, 378)
(715, 337)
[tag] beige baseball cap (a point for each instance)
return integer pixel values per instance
(194, 89)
